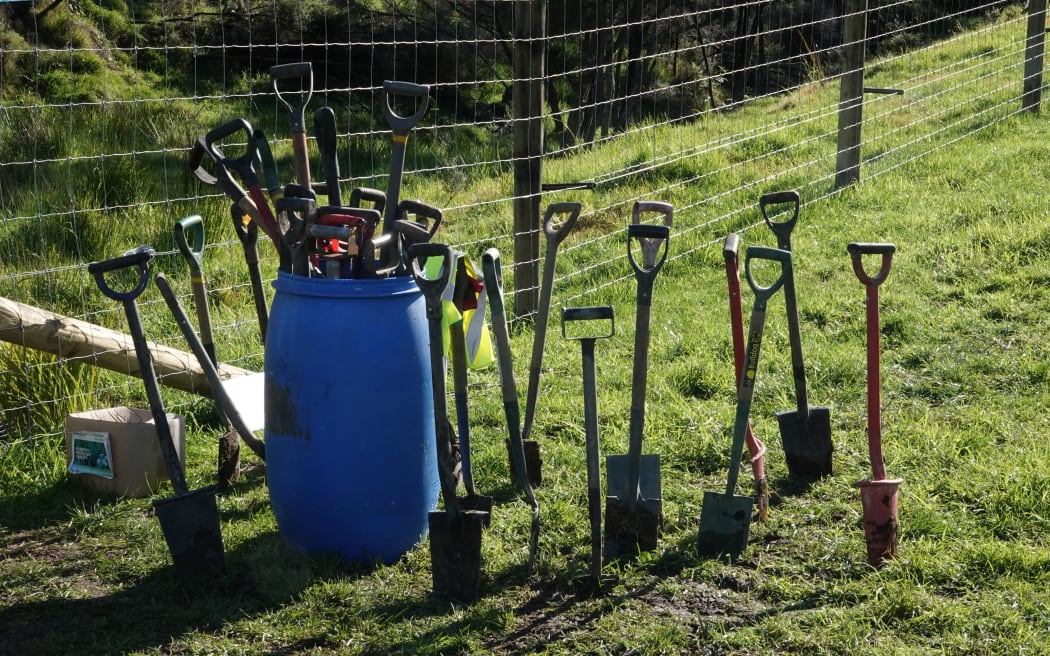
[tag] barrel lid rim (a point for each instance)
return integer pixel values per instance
(345, 287)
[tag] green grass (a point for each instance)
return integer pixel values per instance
(966, 393)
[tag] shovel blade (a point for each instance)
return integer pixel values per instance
(725, 521)
(478, 503)
(455, 554)
(617, 473)
(879, 501)
(627, 532)
(807, 443)
(533, 462)
(190, 523)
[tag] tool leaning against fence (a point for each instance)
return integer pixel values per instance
(725, 519)
(189, 237)
(493, 275)
(634, 499)
(571, 212)
(805, 431)
(755, 447)
(457, 338)
(878, 495)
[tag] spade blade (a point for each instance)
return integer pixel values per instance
(807, 442)
(455, 553)
(725, 521)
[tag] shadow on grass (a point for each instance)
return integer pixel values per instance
(44, 506)
(787, 486)
(156, 609)
(57, 503)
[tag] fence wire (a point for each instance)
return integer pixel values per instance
(98, 113)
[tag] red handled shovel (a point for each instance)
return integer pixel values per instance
(736, 319)
(879, 495)
(303, 74)
(244, 166)
(725, 519)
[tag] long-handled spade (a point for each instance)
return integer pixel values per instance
(805, 431)
(493, 276)
(473, 500)
(189, 238)
(725, 519)
(455, 532)
(634, 506)
(569, 213)
(588, 316)
(189, 520)
(303, 90)
(400, 127)
(879, 495)
(755, 446)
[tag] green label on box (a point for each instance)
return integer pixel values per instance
(91, 454)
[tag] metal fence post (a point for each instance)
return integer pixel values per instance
(530, 22)
(1033, 56)
(851, 92)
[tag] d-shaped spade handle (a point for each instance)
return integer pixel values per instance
(243, 165)
(418, 208)
(304, 72)
(762, 294)
(856, 253)
(651, 247)
(189, 237)
(431, 288)
(657, 236)
(404, 124)
(140, 257)
(570, 210)
(782, 229)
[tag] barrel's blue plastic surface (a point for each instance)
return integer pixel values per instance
(350, 451)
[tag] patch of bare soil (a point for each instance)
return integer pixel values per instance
(561, 617)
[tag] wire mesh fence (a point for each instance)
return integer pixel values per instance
(101, 103)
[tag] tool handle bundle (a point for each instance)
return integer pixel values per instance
(314, 239)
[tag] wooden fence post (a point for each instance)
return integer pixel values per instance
(1033, 56)
(530, 23)
(851, 92)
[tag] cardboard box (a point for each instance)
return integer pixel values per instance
(132, 463)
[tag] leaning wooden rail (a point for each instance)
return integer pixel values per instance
(73, 339)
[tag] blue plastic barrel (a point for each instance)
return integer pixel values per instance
(350, 452)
